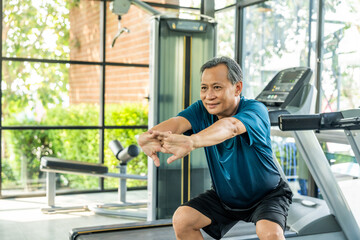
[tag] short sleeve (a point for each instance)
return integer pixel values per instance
(255, 118)
(192, 114)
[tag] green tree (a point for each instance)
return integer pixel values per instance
(34, 29)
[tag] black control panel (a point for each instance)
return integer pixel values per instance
(284, 86)
(186, 25)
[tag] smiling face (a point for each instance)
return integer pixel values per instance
(219, 96)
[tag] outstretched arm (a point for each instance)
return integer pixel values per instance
(220, 131)
(150, 141)
(180, 145)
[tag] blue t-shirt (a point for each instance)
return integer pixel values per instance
(241, 168)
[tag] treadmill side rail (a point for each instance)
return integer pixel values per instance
(319, 168)
(76, 232)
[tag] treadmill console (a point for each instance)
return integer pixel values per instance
(284, 86)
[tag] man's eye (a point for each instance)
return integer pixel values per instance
(217, 87)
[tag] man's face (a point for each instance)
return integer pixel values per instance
(218, 94)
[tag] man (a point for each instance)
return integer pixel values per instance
(235, 133)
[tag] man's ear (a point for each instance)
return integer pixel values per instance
(238, 88)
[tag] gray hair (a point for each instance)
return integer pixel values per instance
(234, 71)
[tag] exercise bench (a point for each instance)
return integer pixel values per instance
(52, 165)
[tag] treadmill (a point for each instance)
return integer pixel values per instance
(289, 92)
(302, 126)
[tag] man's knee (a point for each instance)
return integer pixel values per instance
(189, 219)
(274, 235)
(180, 219)
(267, 230)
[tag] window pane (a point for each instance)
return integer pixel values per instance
(53, 29)
(226, 32)
(341, 58)
(126, 92)
(24, 148)
(291, 162)
(132, 45)
(49, 94)
(276, 38)
(222, 4)
(137, 165)
(126, 84)
(346, 170)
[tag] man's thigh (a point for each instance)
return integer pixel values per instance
(222, 220)
(274, 207)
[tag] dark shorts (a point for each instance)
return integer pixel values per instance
(273, 207)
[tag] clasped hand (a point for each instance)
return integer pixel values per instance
(154, 141)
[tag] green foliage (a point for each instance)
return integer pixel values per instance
(81, 145)
(34, 29)
(127, 115)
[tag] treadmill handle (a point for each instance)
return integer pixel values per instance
(290, 122)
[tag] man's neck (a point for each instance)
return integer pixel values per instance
(234, 110)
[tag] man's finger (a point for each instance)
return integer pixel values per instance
(172, 159)
(154, 133)
(157, 135)
(163, 134)
(164, 150)
(156, 160)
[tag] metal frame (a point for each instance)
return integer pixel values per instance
(155, 105)
(319, 52)
(153, 109)
(353, 137)
(51, 192)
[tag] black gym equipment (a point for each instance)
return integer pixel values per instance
(52, 165)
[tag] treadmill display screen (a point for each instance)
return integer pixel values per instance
(284, 85)
(290, 77)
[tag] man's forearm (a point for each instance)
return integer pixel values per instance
(220, 131)
(177, 125)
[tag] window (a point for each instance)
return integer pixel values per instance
(276, 38)
(226, 31)
(341, 56)
(65, 92)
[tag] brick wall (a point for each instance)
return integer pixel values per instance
(123, 84)
(84, 80)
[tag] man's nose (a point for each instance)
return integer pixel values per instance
(210, 94)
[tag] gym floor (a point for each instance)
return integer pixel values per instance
(21, 218)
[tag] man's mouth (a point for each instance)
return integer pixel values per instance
(212, 105)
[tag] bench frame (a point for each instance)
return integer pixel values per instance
(99, 208)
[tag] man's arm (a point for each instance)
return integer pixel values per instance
(150, 141)
(177, 125)
(220, 131)
(180, 145)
